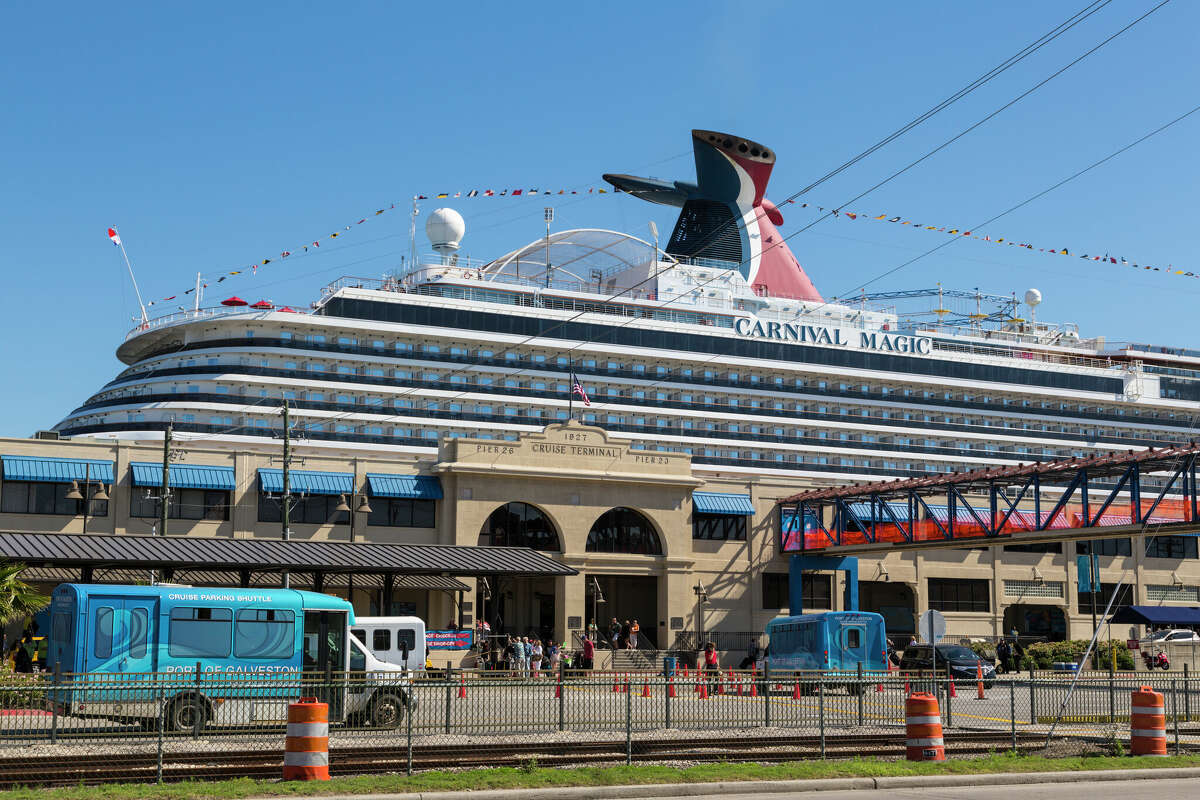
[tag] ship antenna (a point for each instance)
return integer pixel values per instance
(412, 237)
(116, 239)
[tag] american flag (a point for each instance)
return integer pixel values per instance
(577, 388)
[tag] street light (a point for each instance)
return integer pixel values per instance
(75, 494)
(363, 508)
(701, 599)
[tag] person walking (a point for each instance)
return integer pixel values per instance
(634, 630)
(1004, 655)
(614, 632)
(535, 657)
(752, 656)
(626, 630)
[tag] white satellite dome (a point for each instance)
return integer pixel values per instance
(1032, 297)
(445, 228)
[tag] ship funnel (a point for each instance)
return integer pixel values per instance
(725, 215)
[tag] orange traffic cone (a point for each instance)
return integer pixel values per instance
(671, 686)
(979, 681)
(754, 683)
(907, 691)
(796, 695)
(616, 683)
(953, 691)
(703, 690)
(684, 675)
(462, 686)
(558, 686)
(645, 688)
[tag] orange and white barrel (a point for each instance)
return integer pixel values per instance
(1147, 723)
(923, 725)
(306, 751)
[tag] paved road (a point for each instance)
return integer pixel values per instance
(1149, 789)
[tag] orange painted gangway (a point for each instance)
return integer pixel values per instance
(1119, 491)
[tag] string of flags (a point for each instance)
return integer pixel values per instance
(1108, 258)
(315, 244)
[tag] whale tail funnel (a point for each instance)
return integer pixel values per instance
(726, 215)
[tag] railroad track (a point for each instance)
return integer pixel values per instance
(93, 770)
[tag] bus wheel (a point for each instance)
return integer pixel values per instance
(184, 714)
(386, 711)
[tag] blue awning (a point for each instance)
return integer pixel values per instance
(184, 476)
(56, 470)
(713, 503)
(307, 481)
(412, 487)
(1157, 615)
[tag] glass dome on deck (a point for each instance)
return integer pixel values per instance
(586, 257)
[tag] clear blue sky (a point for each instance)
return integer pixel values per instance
(214, 136)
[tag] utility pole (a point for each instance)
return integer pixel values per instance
(164, 491)
(287, 484)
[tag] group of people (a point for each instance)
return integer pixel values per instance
(524, 655)
(620, 636)
(27, 654)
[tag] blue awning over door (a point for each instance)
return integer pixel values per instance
(714, 503)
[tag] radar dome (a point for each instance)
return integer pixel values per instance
(1033, 297)
(445, 228)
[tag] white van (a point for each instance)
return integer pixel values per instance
(387, 638)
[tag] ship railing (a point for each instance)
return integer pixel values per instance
(1026, 354)
(188, 315)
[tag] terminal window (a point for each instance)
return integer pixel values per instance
(1105, 547)
(184, 504)
(817, 591)
(1101, 598)
(948, 594)
(719, 527)
(313, 509)
(1171, 547)
(36, 497)
(399, 512)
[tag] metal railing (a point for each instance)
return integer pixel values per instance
(219, 721)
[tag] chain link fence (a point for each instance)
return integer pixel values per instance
(168, 726)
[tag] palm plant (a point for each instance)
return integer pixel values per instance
(18, 600)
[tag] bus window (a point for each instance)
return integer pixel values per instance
(264, 633)
(406, 636)
(381, 639)
(853, 638)
(103, 645)
(139, 628)
(200, 632)
(360, 634)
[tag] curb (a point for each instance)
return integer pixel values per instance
(772, 787)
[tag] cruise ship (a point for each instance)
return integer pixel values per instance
(718, 346)
(716, 361)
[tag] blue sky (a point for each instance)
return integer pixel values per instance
(216, 136)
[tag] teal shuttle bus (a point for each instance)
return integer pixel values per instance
(830, 642)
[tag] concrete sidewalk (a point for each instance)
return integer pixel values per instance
(781, 787)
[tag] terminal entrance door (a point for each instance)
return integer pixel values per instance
(325, 654)
(895, 603)
(626, 597)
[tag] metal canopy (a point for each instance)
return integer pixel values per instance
(414, 487)
(184, 476)
(272, 555)
(728, 504)
(56, 470)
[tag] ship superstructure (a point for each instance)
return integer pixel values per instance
(720, 346)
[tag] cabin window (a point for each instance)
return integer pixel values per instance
(381, 640)
(199, 632)
(139, 629)
(264, 633)
(103, 646)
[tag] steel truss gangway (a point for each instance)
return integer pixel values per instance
(1106, 496)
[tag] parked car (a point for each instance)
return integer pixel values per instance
(1171, 636)
(961, 662)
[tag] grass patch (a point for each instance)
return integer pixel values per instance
(530, 776)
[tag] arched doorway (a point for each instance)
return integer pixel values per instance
(631, 596)
(519, 606)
